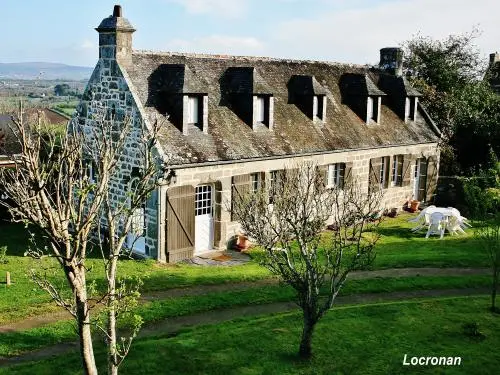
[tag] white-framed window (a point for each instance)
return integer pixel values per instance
(193, 110)
(91, 171)
(260, 109)
(384, 169)
(138, 223)
(370, 109)
(318, 104)
(397, 170)
(256, 181)
(336, 175)
(274, 179)
(203, 200)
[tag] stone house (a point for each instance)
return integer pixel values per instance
(232, 122)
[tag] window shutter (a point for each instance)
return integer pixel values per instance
(390, 166)
(322, 174)
(241, 186)
(217, 213)
(373, 177)
(432, 176)
(180, 223)
(387, 169)
(406, 173)
(347, 178)
(399, 170)
(422, 180)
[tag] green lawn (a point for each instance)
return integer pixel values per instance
(398, 247)
(153, 311)
(371, 339)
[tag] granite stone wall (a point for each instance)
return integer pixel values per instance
(108, 91)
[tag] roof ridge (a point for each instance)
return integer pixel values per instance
(249, 58)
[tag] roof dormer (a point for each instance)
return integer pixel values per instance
(362, 96)
(309, 96)
(249, 96)
(178, 93)
(403, 97)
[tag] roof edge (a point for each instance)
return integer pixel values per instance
(247, 58)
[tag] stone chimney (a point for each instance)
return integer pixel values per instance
(115, 37)
(391, 60)
(494, 58)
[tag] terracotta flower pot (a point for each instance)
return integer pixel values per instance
(414, 205)
(243, 243)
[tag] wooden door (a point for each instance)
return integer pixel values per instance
(180, 225)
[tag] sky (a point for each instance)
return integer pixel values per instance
(349, 31)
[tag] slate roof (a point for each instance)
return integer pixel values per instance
(305, 85)
(176, 79)
(230, 138)
(397, 85)
(359, 84)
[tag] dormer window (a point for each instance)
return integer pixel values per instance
(373, 109)
(195, 112)
(309, 96)
(411, 108)
(260, 109)
(319, 107)
(263, 110)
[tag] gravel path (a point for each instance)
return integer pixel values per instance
(44, 319)
(172, 325)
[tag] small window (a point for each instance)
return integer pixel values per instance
(260, 109)
(384, 169)
(372, 109)
(274, 180)
(193, 110)
(397, 170)
(413, 108)
(91, 171)
(318, 104)
(336, 175)
(256, 182)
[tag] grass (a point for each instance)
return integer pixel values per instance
(371, 339)
(15, 343)
(398, 247)
(67, 108)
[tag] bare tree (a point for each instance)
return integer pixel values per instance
(290, 231)
(62, 187)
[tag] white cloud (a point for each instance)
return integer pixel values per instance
(221, 44)
(223, 8)
(356, 34)
(87, 44)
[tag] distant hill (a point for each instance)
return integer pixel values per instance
(43, 70)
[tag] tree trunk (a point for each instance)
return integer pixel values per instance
(305, 350)
(112, 349)
(83, 320)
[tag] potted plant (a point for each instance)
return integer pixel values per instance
(414, 205)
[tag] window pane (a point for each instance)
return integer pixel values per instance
(259, 108)
(193, 111)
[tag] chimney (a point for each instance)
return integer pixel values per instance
(391, 60)
(494, 58)
(115, 38)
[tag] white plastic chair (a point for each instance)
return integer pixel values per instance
(423, 218)
(463, 221)
(437, 224)
(454, 225)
